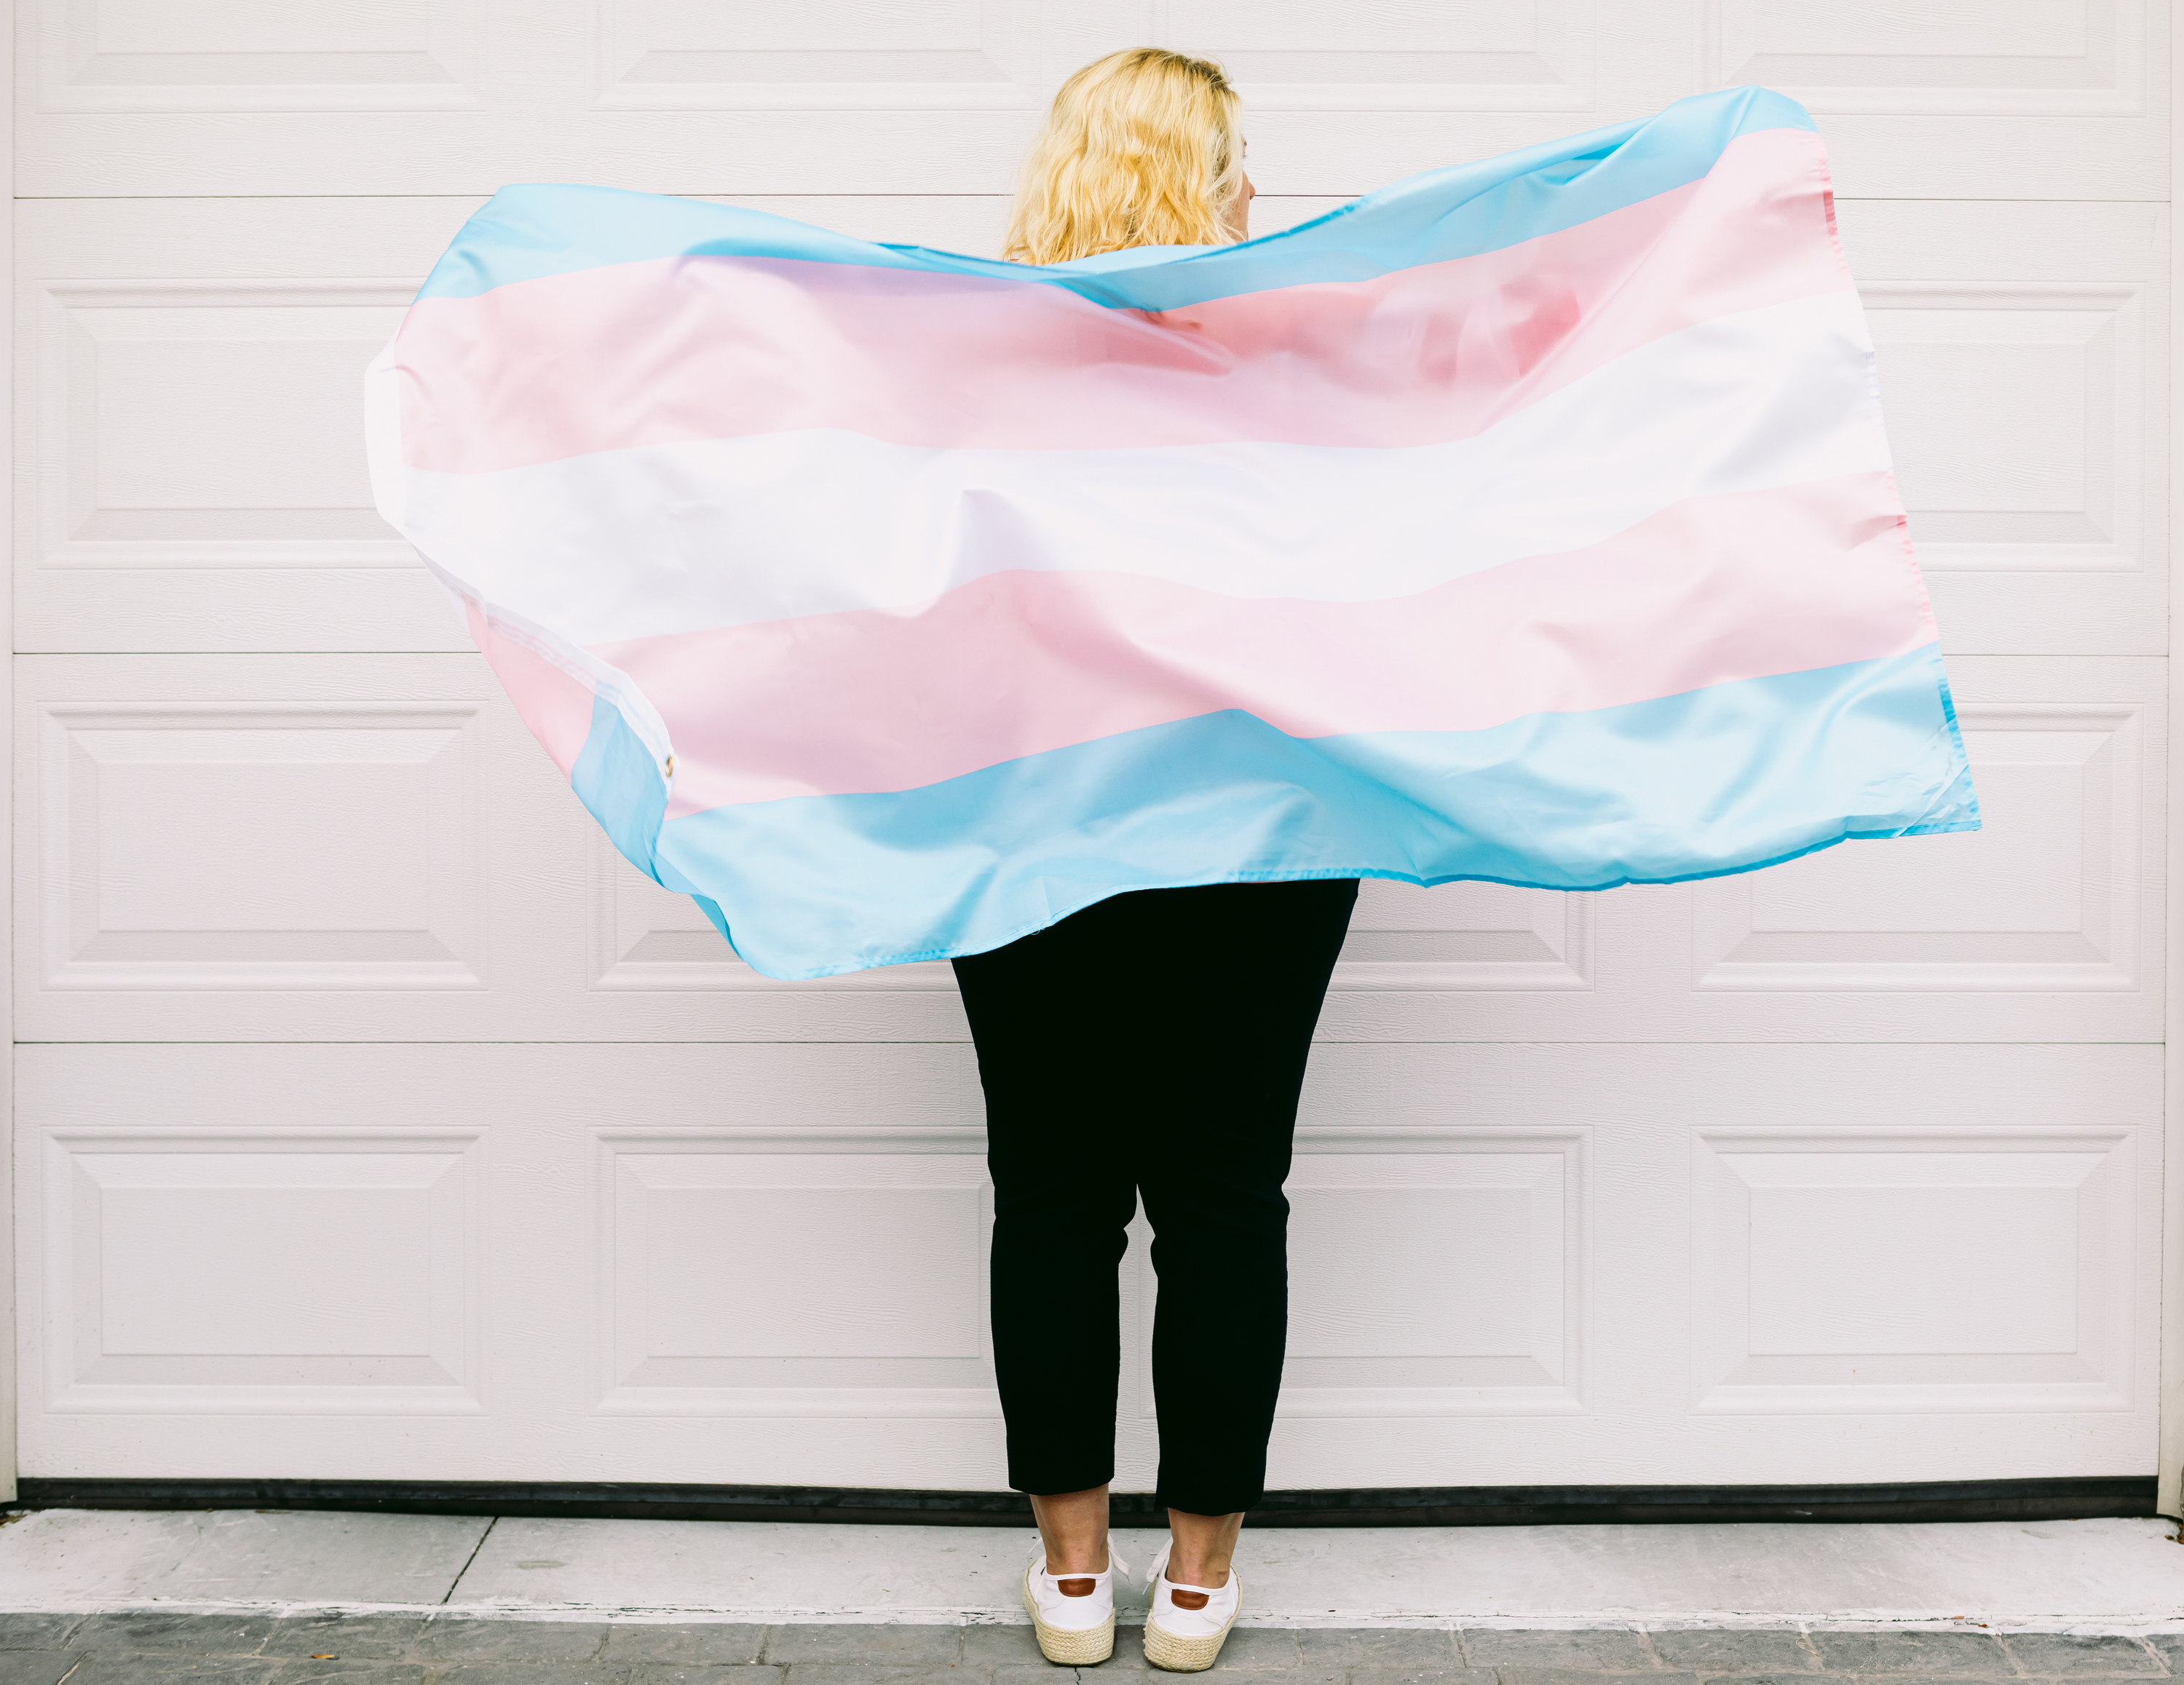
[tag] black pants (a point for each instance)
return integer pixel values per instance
(1153, 1043)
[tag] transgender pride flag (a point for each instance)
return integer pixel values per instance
(1528, 521)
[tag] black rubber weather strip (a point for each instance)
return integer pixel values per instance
(1994, 1500)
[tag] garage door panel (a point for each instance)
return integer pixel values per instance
(1288, 56)
(1505, 1213)
(1872, 1269)
(2077, 58)
(1835, 1217)
(258, 847)
(130, 56)
(234, 846)
(1467, 936)
(295, 847)
(531, 134)
(459, 96)
(1575, 1192)
(2046, 923)
(2021, 350)
(925, 55)
(1874, 1181)
(2019, 422)
(754, 1264)
(176, 413)
(940, 96)
(2046, 897)
(189, 428)
(240, 846)
(728, 1290)
(227, 1270)
(2060, 99)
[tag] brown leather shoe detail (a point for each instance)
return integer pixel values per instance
(1078, 1588)
(1186, 1600)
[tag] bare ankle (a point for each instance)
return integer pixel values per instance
(1066, 1565)
(1073, 1526)
(1200, 1547)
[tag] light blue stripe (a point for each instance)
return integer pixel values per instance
(1715, 781)
(615, 779)
(528, 231)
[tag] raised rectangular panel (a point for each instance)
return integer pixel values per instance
(2023, 349)
(2001, 57)
(1382, 55)
(1465, 936)
(2045, 896)
(807, 1273)
(751, 54)
(644, 937)
(2017, 420)
(257, 846)
(188, 458)
(262, 1271)
(257, 55)
(1880, 1270)
(1470, 1299)
(205, 423)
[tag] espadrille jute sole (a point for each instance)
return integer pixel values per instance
(1178, 1655)
(1071, 1647)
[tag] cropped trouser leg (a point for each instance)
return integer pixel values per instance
(1154, 1043)
(1061, 1222)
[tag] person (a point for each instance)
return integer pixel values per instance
(1152, 1044)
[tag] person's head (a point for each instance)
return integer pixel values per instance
(1139, 148)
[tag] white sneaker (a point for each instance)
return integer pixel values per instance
(1187, 1640)
(1073, 1631)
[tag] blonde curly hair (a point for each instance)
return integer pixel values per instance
(1139, 148)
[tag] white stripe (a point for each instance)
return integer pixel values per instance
(675, 538)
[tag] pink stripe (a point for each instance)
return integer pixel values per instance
(1016, 664)
(555, 704)
(650, 353)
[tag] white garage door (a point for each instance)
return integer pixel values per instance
(375, 1122)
